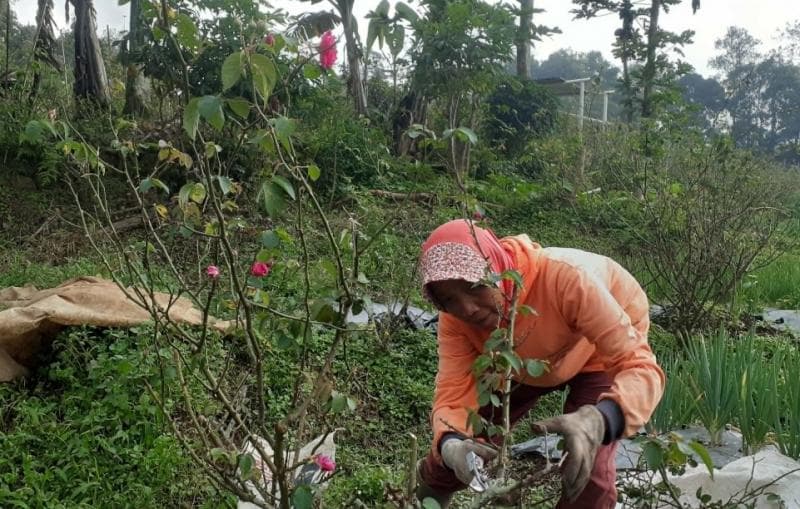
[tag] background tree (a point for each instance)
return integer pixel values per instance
(527, 32)
(707, 95)
(44, 47)
(90, 72)
(461, 49)
(134, 80)
(523, 38)
(648, 73)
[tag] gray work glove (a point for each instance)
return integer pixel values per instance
(454, 455)
(583, 432)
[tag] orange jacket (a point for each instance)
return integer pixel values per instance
(591, 315)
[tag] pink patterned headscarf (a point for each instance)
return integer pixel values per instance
(451, 252)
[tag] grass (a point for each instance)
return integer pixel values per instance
(82, 432)
(777, 284)
(16, 270)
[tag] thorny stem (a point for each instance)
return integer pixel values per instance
(509, 341)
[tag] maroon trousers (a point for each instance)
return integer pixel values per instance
(585, 388)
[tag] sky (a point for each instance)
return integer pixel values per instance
(762, 18)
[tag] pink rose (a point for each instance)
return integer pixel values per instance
(260, 269)
(269, 40)
(325, 463)
(212, 271)
(327, 50)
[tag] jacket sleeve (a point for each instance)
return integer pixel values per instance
(591, 309)
(455, 392)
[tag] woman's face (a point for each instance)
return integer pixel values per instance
(478, 305)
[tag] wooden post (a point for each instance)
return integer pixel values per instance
(580, 104)
(605, 107)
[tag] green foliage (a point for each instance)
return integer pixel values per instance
(677, 405)
(519, 111)
(84, 430)
(347, 150)
(462, 45)
(366, 483)
(714, 373)
(787, 426)
(776, 284)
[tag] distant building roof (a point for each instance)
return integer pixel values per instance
(560, 86)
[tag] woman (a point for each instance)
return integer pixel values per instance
(590, 324)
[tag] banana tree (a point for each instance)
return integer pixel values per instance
(389, 30)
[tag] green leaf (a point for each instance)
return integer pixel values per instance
(302, 498)
(514, 276)
(513, 360)
(535, 367)
(198, 193)
(246, 465)
(382, 9)
(186, 31)
(322, 311)
(210, 108)
(270, 240)
(481, 364)
(150, 183)
(191, 118)
(183, 194)
(212, 149)
(312, 71)
(701, 451)
(653, 455)
(495, 399)
(232, 70)
(466, 134)
(271, 197)
(313, 172)
(475, 423)
(285, 185)
(33, 132)
(225, 184)
(265, 74)
(239, 106)
(284, 129)
(362, 279)
(405, 12)
(338, 402)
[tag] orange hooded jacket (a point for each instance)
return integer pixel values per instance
(590, 315)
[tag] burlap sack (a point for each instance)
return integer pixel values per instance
(30, 318)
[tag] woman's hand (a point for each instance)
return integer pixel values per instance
(583, 432)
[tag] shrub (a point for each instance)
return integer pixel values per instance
(699, 217)
(518, 111)
(347, 149)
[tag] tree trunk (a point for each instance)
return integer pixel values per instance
(353, 57)
(90, 73)
(135, 104)
(524, 38)
(44, 45)
(649, 71)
